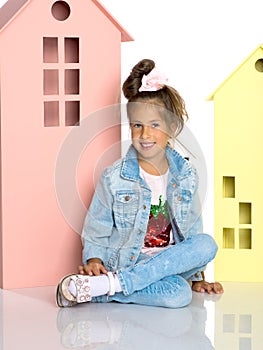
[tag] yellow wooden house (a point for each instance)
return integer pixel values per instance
(238, 172)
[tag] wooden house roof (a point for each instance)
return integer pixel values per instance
(211, 97)
(13, 7)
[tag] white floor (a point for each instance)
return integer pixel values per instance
(30, 320)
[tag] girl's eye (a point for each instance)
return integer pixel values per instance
(137, 125)
(155, 125)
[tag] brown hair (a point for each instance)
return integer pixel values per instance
(167, 97)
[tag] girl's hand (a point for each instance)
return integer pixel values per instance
(210, 288)
(94, 267)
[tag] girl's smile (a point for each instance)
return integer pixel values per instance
(146, 146)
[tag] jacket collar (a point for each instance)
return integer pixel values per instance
(130, 166)
(179, 167)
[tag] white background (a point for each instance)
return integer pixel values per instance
(197, 44)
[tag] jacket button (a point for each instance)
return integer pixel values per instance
(140, 232)
(179, 198)
(132, 257)
(144, 207)
(127, 198)
(174, 185)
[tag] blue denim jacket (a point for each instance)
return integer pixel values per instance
(116, 222)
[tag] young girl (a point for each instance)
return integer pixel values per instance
(142, 240)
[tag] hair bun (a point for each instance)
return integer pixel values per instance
(132, 84)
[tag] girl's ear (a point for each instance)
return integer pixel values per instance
(172, 133)
(172, 129)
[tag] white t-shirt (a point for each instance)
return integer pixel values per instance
(159, 233)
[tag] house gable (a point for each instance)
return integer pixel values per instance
(13, 7)
(9, 10)
(125, 36)
(259, 49)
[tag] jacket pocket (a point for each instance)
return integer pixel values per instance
(125, 208)
(182, 200)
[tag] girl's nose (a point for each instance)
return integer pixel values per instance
(146, 132)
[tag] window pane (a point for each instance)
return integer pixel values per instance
(60, 10)
(50, 82)
(228, 238)
(245, 213)
(228, 187)
(51, 113)
(50, 50)
(245, 238)
(245, 324)
(71, 50)
(72, 109)
(245, 343)
(228, 323)
(72, 81)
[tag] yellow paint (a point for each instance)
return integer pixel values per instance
(238, 172)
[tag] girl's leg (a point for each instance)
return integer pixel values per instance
(190, 255)
(171, 292)
(153, 281)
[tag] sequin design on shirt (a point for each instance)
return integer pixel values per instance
(159, 226)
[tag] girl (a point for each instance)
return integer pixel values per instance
(141, 237)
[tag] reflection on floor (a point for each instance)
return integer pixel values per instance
(30, 320)
(238, 317)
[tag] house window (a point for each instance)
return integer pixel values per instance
(241, 236)
(228, 238)
(60, 10)
(245, 233)
(245, 324)
(228, 187)
(229, 322)
(245, 343)
(50, 82)
(71, 81)
(71, 50)
(245, 213)
(245, 238)
(50, 50)
(259, 65)
(51, 112)
(240, 325)
(61, 81)
(72, 113)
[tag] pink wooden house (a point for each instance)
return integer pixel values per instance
(59, 62)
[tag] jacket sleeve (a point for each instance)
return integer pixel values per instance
(192, 212)
(196, 226)
(195, 222)
(99, 222)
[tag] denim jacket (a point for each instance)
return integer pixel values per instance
(116, 222)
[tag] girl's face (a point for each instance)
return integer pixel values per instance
(149, 132)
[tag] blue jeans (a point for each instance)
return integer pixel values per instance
(161, 280)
